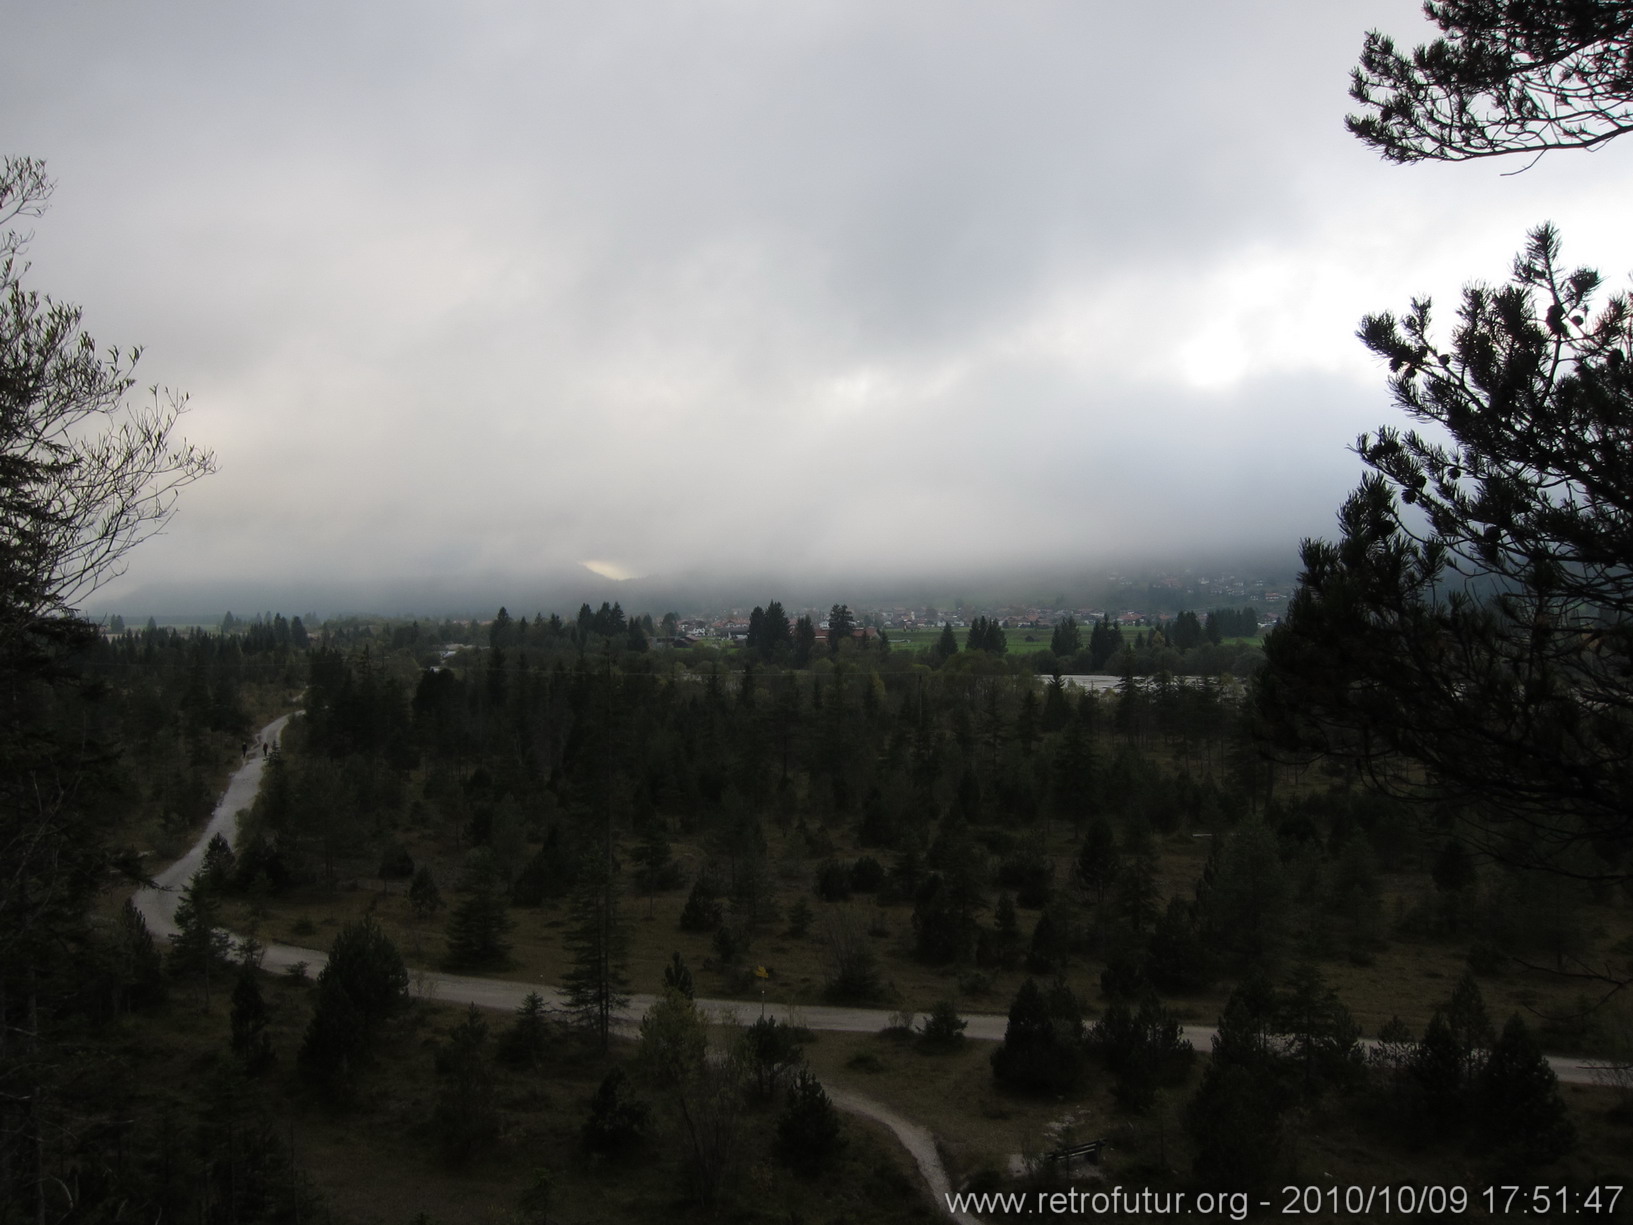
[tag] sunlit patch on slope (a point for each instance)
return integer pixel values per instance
(609, 569)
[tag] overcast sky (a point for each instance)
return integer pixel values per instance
(485, 292)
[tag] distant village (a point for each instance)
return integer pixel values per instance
(1130, 603)
(1145, 602)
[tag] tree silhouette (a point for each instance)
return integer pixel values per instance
(86, 474)
(1467, 639)
(1519, 77)
(597, 941)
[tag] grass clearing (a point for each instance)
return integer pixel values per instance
(1406, 977)
(377, 1162)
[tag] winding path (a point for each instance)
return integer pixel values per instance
(157, 905)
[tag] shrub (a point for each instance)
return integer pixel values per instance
(702, 912)
(617, 1123)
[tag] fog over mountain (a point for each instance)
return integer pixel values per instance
(697, 592)
(484, 299)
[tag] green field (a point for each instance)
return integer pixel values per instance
(1015, 640)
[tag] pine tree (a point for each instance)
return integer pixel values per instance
(137, 965)
(1522, 1115)
(1027, 723)
(617, 1123)
(1246, 909)
(986, 635)
(423, 896)
(363, 985)
(702, 912)
(1098, 859)
(1135, 899)
(1105, 642)
(771, 1049)
(1057, 711)
(1320, 1035)
(1006, 931)
(655, 864)
(1041, 1050)
(1498, 531)
(198, 946)
(677, 977)
(841, 625)
(1066, 641)
(1470, 1026)
(1178, 960)
(250, 1040)
(1436, 1069)
(597, 942)
(1047, 954)
(528, 1037)
(1186, 631)
(1236, 1117)
(1516, 78)
(943, 1028)
(466, 1117)
(804, 641)
(808, 1133)
(217, 865)
(477, 929)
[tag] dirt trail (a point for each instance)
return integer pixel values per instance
(158, 905)
(918, 1141)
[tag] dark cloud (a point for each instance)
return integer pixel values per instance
(474, 295)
